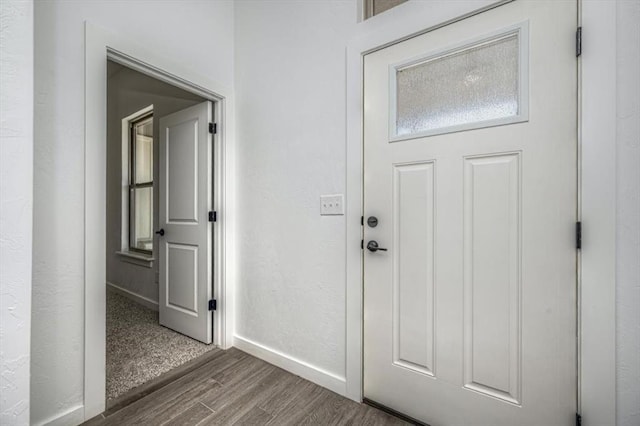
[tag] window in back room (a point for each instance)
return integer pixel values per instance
(141, 183)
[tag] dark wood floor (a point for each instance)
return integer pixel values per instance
(234, 388)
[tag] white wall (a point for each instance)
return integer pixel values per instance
(16, 195)
(129, 91)
(198, 33)
(290, 112)
(628, 214)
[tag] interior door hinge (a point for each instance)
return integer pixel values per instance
(213, 304)
(579, 235)
(361, 220)
(578, 420)
(213, 216)
(361, 244)
(213, 128)
(579, 41)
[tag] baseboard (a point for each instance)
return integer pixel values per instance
(71, 417)
(303, 369)
(144, 301)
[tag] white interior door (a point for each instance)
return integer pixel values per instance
(185, 176)
(470, 168)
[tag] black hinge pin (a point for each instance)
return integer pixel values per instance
(213, 304)
(579, 41)
(213, 216)
(213, 128)
(578, 235)
(578, 420)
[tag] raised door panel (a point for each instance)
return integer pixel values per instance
(182, 278)
(492, 281)
(182, 172)
(413, 258)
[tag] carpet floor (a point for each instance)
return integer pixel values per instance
(139, 348)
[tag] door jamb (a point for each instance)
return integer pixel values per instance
(100, 46)
(596, 186)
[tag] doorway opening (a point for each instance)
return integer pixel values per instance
(101, 47)
(145, 278)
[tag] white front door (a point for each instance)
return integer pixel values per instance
(470, 168)
(185, 176)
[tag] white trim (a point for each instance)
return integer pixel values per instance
(521, 31)
(101, 45)
(598, 214)
(144, 301)
(303, 369)
(73, 416)
(405, 21)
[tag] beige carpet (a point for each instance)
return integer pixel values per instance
(139, 348)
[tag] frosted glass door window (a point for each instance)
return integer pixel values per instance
(474, 86)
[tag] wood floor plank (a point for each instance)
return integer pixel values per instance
(254, 393)
(191, 416)
(254, 417)
(238, 371)
(279, 398)
(153, 412)
(332, 410)
(234, 388)
(298, 408)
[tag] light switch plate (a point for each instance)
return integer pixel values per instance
(332, 204)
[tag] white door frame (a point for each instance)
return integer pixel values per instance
(596, 184)
(101, 45)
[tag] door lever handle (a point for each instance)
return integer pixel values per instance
(373, 247)
(160, 232)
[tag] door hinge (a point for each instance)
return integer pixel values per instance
(213, 128)
(578, 420)
(213, 216)
(578, 235)
(361, 244)
(361, 220)
(213, 304)
(579, 41)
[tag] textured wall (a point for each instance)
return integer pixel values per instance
(127, 92)
(290, 112)
(199, 33)
(16, 195)
(628, 214)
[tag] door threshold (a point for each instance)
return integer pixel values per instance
(159, 382)
(393, 412)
